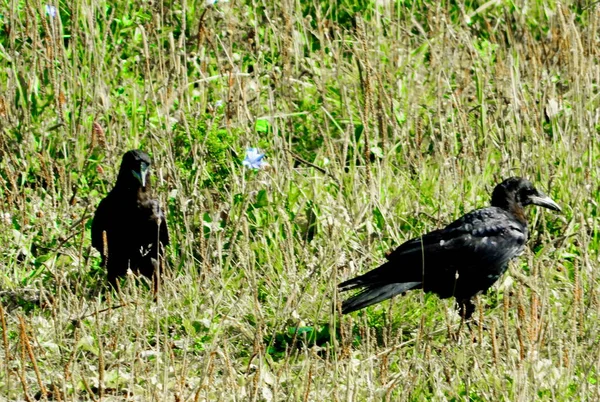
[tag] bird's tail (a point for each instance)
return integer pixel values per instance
(372, 293)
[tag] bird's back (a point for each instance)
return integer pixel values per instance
(465, 257)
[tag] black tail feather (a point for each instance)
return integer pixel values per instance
(370, 279)
(353, 283)
(374, 293)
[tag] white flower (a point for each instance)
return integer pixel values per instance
(253, 159)
(210, 3)
(553, 107)
(51, 11)
(5, 218)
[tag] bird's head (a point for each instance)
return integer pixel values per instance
(134, 169)
(519, 192)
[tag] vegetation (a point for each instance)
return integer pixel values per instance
(379, 120)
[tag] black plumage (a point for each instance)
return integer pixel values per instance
(461, 260)
(129, 227)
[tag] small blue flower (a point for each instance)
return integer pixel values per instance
(51, 11)
(218, 103)
(254, 159)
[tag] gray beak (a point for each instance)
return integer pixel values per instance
(141, 175)
(543, 200)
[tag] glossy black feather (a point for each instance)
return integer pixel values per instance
(131, 222)
(461, 260)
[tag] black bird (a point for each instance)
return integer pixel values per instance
(129, 228)
(461, 260)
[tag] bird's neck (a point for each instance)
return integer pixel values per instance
(132, 191)
(517, 210)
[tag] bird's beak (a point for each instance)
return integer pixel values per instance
(141, 175)
(543, 200)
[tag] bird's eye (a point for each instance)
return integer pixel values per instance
(526, 194)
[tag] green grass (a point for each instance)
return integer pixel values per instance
(380, 121)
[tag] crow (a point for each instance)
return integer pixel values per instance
(129, 228)
(461, 260)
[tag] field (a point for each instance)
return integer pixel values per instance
(379, 121)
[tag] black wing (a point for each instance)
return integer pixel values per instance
(481, 238)
(101, 217)
(154, 236)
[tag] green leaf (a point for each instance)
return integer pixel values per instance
(262, 199)
(262, 126)
(379, 219)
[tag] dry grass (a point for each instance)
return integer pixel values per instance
(377, 127)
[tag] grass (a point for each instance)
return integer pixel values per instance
(380, 120)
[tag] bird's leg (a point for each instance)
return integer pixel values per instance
(465, 309)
